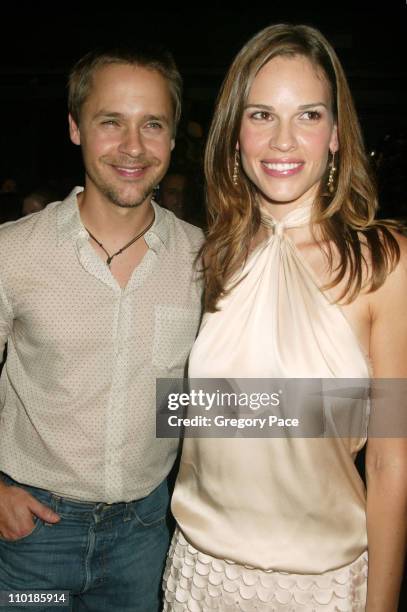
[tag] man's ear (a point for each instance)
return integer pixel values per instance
(74, 131)
(172, 143)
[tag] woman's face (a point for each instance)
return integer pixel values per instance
(287, 131)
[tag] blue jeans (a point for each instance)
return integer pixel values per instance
(109, 557)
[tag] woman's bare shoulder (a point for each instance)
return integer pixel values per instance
(392, 295)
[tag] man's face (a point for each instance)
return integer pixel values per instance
(125, 131)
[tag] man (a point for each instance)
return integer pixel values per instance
(98, 297)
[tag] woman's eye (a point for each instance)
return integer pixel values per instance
(261, 116)
(311, 115)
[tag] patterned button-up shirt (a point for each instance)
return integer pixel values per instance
(77, 392)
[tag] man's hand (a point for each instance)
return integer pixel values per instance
(17, 508)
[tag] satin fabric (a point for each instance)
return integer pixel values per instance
(196, 582)
(288, 504)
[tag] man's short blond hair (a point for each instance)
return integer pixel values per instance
(158, 59)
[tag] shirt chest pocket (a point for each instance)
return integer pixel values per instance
(175, 329)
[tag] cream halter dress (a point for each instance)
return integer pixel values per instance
(271, 524)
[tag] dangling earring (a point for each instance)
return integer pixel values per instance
(235, 178)
(331, 176)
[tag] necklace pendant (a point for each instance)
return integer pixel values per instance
(126, 246)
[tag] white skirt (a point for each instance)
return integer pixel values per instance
(196, 582)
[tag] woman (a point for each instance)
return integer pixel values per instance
(301, 282)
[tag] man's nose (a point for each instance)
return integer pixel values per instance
(132, 142)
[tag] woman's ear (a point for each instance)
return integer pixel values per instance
(334, 142)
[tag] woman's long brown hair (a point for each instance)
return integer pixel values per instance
(345, 218)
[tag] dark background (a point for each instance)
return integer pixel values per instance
(38, 46)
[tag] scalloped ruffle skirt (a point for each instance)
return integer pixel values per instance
(196, 582)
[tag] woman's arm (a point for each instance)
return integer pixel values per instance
(386, 470)
(386, 458)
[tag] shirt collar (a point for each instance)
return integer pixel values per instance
(160, 227)
(69, 224)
